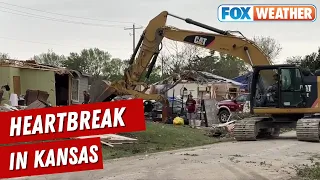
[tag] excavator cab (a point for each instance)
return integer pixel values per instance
(276, 88)
(281, 96)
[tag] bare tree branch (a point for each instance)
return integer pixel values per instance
(269, 45)
(180, 56)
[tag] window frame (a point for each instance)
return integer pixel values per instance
(244, 96)
(281, 90)
(78, 89)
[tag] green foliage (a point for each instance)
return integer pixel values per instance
(310, 61)
(93, 61)
(154, 77)
(220, 65)
(76, 62)
(50, 58)
(114, 70)
(309, 171)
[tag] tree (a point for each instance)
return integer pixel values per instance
(269, 46)
(190, 57)
(154, 77)
(76, 62)
(114, 69)
(221, 64)
(207, 63)
(296, 60)
(50, 58)
(4, 56)
(92, 61)
(180, 57)
(310, 61)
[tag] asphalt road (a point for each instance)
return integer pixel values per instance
(256, 160)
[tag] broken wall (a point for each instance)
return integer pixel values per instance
(190, 86)
(6, 78)
(222, 89)
(39, 80)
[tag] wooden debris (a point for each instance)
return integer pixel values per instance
(111, 139)
(37, 104)
(223, 129)
(7, 108)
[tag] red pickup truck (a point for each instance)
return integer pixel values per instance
(231, 105)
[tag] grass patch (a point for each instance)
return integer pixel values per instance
(159, 137)
(309, 171)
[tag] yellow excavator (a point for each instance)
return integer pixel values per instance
(281, 96)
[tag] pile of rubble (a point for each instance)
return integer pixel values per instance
(225, 129)
(35, 105)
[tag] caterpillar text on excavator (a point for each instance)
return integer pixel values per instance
(282, 96)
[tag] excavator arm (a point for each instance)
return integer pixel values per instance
(149, 46)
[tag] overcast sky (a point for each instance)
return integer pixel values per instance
(22, 35)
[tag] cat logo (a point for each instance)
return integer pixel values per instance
(307, 88)
(200, 40)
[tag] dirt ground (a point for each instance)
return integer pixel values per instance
(256, 160)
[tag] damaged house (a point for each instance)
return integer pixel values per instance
(59, 86)
(201, 85)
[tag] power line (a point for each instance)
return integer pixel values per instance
(57, 20)
(79, 17)
(34, 42)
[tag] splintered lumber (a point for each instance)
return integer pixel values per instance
(111, 139)
(114, 138)
(37, 104)
(7, 108)
(223, 129)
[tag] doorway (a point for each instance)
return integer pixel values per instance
(233, 92)
(62, 89)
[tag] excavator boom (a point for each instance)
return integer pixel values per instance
(144, 58)
(287, 111)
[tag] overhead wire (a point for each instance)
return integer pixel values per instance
(55, 19)
(27, 14)
(79, 17)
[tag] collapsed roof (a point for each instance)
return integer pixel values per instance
(198, 76)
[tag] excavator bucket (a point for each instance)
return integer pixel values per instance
(101, 91)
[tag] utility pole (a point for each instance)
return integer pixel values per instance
(133, 28)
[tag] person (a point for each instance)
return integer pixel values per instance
(273, 89)
(86, 97)
(191, 109)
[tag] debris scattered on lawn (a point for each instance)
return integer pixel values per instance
(222, 129)
(112, 139)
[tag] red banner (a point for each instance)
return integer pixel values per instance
(72, 121)
(50, 157)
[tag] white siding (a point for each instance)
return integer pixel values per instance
(84, 86)
(191, 87)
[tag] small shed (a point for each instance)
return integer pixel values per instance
(64, 86)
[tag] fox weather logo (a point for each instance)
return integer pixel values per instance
(249, 13)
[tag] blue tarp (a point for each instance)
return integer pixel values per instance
(244, 79)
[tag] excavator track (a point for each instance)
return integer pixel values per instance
(308, 129)
(246, 130)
